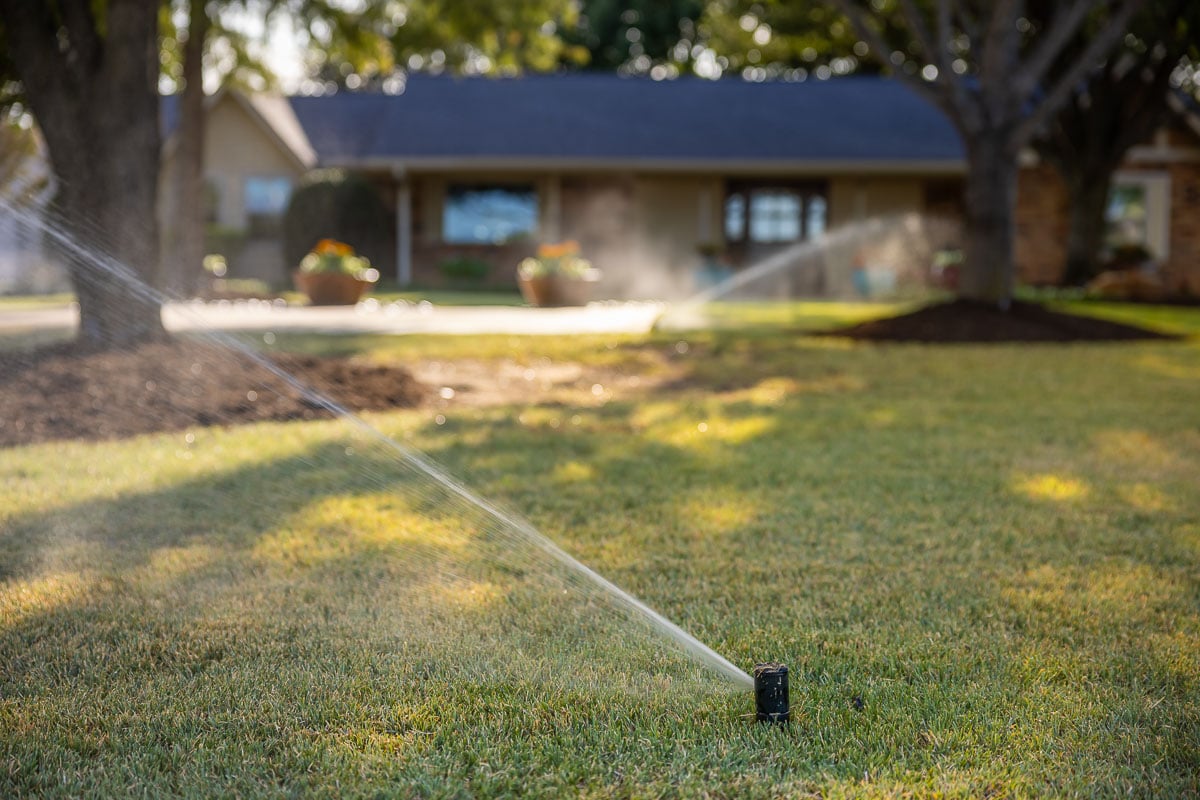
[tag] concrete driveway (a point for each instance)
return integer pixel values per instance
(372, 317)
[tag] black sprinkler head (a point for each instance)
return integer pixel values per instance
(771, 693)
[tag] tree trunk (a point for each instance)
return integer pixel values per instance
(991, 192)
(92, 85)
(1086, 226)
(184, 263)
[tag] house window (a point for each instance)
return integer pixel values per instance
(1138, 212)
(816, 211)
(489, 214)
(266, 199)
(735, 217)
(769, 214)
(774, 216)
(1126, 216)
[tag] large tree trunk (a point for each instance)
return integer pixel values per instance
(95, 97)
(1087, 198)
(991, 192)
(185, 253)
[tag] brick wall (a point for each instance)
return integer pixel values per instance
(428, 257)
(1183, 267)
(1041, 218)
(1041, 223)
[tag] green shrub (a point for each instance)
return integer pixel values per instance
(464, 270)
(331, 204)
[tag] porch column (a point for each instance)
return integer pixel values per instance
(403, 230)
(553, 214)
(704, 216)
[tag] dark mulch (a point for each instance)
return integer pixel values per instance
(962, 321)
(64, 393)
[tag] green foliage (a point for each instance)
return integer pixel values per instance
(224, 239)
(330, 204)
(332, 257)
(465, 270)
(623, 34)
(561, 260)
(501, 37)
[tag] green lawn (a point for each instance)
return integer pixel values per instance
(982, 564)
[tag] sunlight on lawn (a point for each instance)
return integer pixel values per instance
(979, 563)
(715, 513)
(573, 472)
(1146, 497)
(42, 594)
(1131, 448)
(354, 526)
(1052, 487)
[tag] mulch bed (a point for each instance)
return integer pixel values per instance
(962, 321)
(62, 392)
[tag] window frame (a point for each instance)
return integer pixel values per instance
(1156, 193)
(804, 191)
(265, 223)
(529, 187)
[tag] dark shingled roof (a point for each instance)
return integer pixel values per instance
(604, 117)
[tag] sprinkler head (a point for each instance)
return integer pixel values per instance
(771, 693)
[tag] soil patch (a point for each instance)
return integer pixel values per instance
(63, 393)
(962, 321)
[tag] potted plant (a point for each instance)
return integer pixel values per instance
(332, 275)
(557, 276)
(712, 270)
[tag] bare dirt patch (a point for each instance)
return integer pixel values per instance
(64, 393)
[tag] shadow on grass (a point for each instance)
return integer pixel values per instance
(930, 612)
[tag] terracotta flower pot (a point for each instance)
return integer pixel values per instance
(331, 288)
(557, 290)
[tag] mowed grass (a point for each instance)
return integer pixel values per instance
(982, 565)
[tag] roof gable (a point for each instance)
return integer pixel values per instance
(272, 114)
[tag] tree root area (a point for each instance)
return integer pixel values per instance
(962, 321)
(64, 392)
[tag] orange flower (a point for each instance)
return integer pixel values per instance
(567, 248)
(332, 247)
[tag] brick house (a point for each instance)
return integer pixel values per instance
(642, 173)
(1156, 203)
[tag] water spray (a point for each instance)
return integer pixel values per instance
(503, 522)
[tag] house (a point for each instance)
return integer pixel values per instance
(1154, 203)
(642, 173)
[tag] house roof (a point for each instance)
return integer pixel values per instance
(608, 120)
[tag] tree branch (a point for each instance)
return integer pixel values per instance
(916, 22)
(32, 39)
(82, 36)
(969, 25)
(998, 47)
(937, 94)
(1067, 83)
(1061, 29)
(943, 33)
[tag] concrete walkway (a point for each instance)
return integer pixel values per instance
(372, 317)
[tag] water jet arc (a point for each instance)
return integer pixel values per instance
(636, 608)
